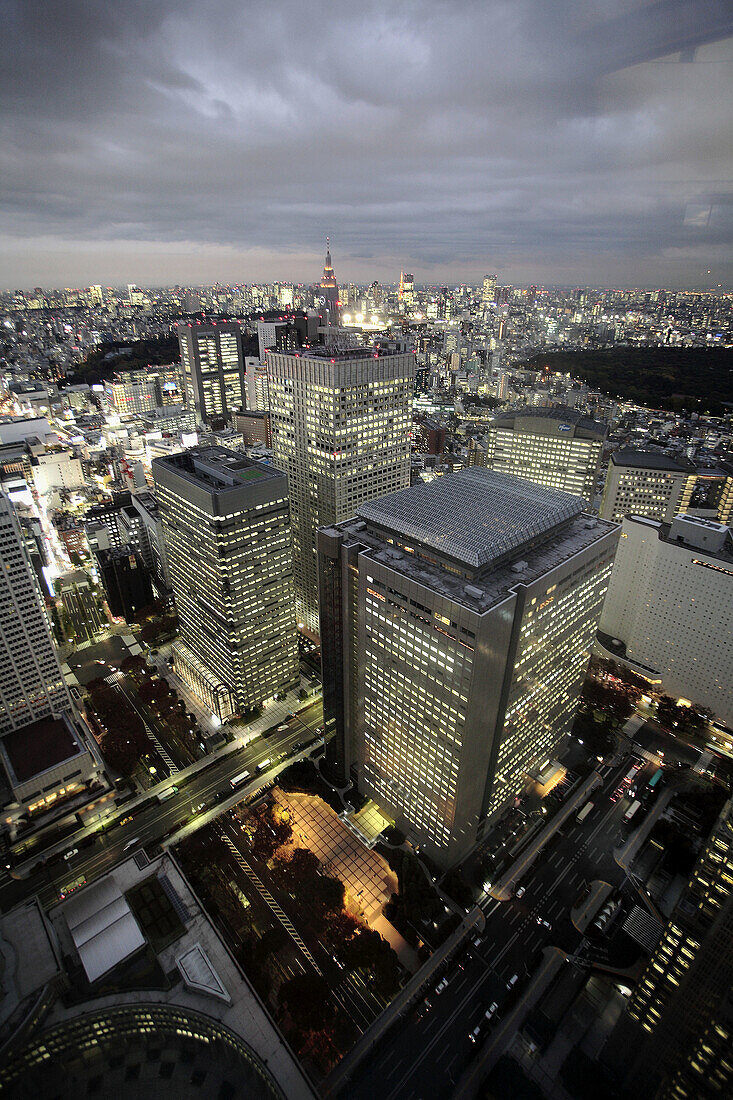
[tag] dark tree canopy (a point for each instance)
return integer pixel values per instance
(693, 379)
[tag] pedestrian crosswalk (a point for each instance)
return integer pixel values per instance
(172, 768)
(265, 893)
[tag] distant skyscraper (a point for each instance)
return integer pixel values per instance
(406, 291)
(488, 290)
(683, 1005)
(227, 533)
(213, 370)
(328, 299)
(340, 430)
(669, 608)
(457, 620)
(555, 447)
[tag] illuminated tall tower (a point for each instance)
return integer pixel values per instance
(457, 619)
(679, 1021)
(226, 526)
(340, 431)
(213, 369)
(328, 299)
(489, 289)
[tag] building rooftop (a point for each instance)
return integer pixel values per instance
(102, 926)
(475, 516)
(651, 460)
(216, 468)
(562, 413)
(35, 748)
(338, 355)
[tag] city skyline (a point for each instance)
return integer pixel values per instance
(573, 150)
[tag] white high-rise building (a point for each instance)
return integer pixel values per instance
(340, 430)
(42, 753)
(31, 684)
(226, 529)
(457, 619)
(669, 609)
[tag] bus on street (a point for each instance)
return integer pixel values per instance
(239, 779)
(581, 816)
(632, 810)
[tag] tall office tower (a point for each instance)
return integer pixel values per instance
(488, 290)
(31, 684)
(682, 1007)
(669, 609)
(341, 431)
(213, 370)
(328, 296)
(646, 483)
(102, 522)
(226, 527)
(406, 292)
(457, 619)
(555, 447)
(258, 386)
(41, 752)
(96, 296)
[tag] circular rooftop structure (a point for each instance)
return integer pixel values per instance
(138, 1051)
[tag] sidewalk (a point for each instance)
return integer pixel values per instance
(504, 888)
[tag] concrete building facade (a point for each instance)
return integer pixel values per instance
(669, 609)
(457, 619)
(341, 431)
(555, 447)
(646, 483)
(227, 535)
(682, 1005)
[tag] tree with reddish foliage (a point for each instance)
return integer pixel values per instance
(368, 951)
(134, 666)
(326, 895)
(124, 740)
(267, 831)
(298, 869)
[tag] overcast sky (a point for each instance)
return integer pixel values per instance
(168, 141)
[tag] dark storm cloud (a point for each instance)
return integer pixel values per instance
(172, 141)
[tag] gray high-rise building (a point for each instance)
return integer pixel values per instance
(340, 430)
(457, 620)
(213, 370)
(31, 684)
(555, 447)
(226, 528)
